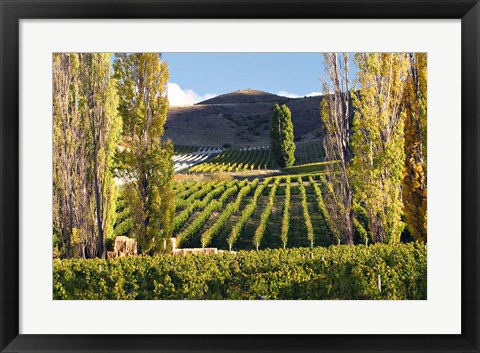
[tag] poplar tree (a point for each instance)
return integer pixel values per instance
(98, 103)
(281, 136)
(145, 161)
(378, 142)
(415, 130)
(86, 129)
(336, 116)
(69, 163)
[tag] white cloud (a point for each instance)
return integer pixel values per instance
(294, 95)
(178, 96)
(287, 94)
(313, 94)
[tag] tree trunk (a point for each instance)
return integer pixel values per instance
(101, 239)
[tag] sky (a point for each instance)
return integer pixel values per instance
(198, 76)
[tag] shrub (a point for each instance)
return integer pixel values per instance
(338, 272)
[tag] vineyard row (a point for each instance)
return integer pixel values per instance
(237, 215)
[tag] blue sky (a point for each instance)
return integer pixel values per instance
(198, 76)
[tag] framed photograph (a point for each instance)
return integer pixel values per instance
(239, 176)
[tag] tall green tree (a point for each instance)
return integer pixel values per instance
(98, 103)
(86, 130)
(145, 161)
(378, 142)
(281, 136)
(415, 130)
(69, 162)
(336, 117)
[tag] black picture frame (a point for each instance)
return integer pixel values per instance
(12, 11)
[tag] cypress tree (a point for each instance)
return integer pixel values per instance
(281, 136)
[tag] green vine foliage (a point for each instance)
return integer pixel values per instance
(338, 272)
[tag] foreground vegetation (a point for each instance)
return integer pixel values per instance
(379, 271)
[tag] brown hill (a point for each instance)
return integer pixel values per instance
(243, 96)
(240, 119)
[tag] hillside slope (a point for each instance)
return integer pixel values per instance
(240, 119)
(244, 96)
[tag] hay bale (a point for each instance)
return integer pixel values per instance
(125, 246)
(110, 254)
(131, 247)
